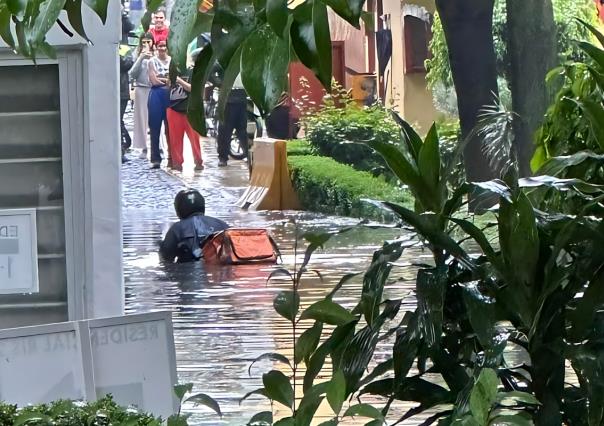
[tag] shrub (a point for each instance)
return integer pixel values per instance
(299, 147)
(69, 413)
(340, 119)
(326, 186)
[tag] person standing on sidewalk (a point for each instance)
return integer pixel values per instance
(125, 65)
(142, 86)
(159, 99)
(235, 118)
(178, 123)
(159, 30)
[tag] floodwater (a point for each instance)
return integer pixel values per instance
(223, 317)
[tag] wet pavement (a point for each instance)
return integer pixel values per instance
(223, 317)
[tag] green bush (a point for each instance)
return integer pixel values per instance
(299, 147)
(69, 413)
(342, 120)
(326, 186)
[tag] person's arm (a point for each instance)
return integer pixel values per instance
(125, 63)
(168, 247)
(155, 81)
(137, 67)
(184, 84)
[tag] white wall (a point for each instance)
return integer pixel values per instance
(103, 292)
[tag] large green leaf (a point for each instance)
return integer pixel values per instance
(584, 313)
(307, 343)
(410, 138)
(100, 8)
(482, 313)
(16, 7)
(309, 404)
(5, 25)
(311, 39)
(431, 287)
(328, 312)
(264, 68)
(260, 391)
(350, 10)
(273, 356)
(593, 52)
(595, 114)
(277, 15)
(45, 19)
(230, 28)
(556, 165)
(181, 390)
(429, 161)
(264, 418)
(478, 236)
(278, 388)
(336, 391)
(593, 30)
(205, 400)
(288, 421)
(364, 410)
(287, 304)
(182, 22)
(74, 14)
(354, 359)
(228, 79)
(483, 395)
(201, 72)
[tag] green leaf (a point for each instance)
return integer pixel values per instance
(311, 39)
(409, 136)
(181, 390)
(328, 312)
(478, 236)
(206, 400)
(593, 52)
(182, 22)
(260, 391)
(288, 421)
(45, 19)
(36, 417)
(429, 161)
(511, 420)
(483, 395)
(517, 397)
(287, 304)
(431, 286)
(277, 15)
(278, 388)
(593, 30)
(332, 422)
(264, 418)
(201, 72)
(16, 7)
(595, 114)
(364, 410)
(350, 10)
(307, 343)
(74, 14)
(100, 8)
(264, 68)
(273, 356)
(309, 404)
(230, 75)
(336, 391)
(5, 25)
(343, 280)
(177, 420)
(482, 313)
(230, 28)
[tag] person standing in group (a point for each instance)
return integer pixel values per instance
(125, 65)
(235, 118)
(159, 30)
(178, 123)
(142, 86)
(159, 99)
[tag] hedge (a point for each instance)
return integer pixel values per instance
(326, 186)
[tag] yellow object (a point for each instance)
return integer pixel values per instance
(270, 186)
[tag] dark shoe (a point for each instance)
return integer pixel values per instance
(177, 167)
(155, 165)
(222, 163)
(199, 167)
(124, 159)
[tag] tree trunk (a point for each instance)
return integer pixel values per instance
(532, 51)
(468, 28)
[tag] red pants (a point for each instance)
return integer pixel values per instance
(178, 125)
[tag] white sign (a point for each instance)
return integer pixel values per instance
(18, 251)
(134, 360)
(131, 357)
(42, 364)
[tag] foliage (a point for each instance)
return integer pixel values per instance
(341, 119)
(299, 147)
(439, 71)
(326, 186)
(574, 122)
(450, 137)
(69, 413)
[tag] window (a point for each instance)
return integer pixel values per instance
(417, 39)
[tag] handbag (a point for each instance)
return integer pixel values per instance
(238, 246)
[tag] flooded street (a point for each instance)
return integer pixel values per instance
(223, 317)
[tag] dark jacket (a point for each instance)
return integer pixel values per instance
(126, 62)
(184, 238)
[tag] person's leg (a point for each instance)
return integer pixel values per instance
(241, 124)
(126, 139)
(141, 118)
(225, 132)
(194, 140)
(176, 128)
(155, 120)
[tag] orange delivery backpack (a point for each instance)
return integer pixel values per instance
(238, 246)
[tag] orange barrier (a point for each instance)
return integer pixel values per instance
(270, 186)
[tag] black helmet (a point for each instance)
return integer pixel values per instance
(188, 202)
